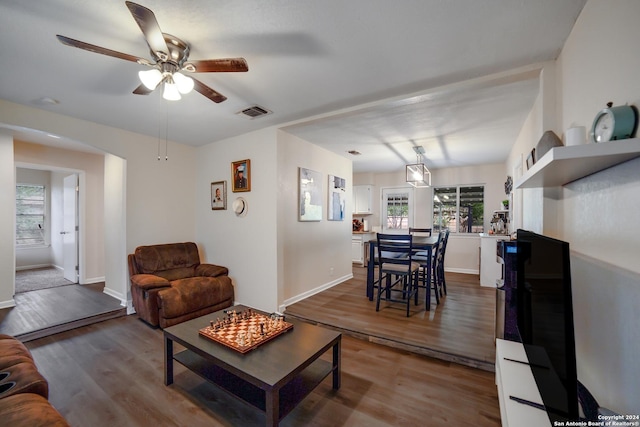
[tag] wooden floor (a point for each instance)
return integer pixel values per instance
(49, 311)
(460, 329)
(111, 374)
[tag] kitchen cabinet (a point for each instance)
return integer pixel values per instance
(362, 199)
(359, 247)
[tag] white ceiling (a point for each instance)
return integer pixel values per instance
(376, 76)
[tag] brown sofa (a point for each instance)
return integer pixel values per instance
(24, 392)
(169, 285)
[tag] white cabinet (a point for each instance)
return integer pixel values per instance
(362, 199)
(359, 247)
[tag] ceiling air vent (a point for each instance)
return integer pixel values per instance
(254, 111)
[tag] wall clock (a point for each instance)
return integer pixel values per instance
(614, 123)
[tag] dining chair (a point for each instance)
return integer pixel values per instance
(441, 282)
(426, 281)
(397, 272)
(422, 231)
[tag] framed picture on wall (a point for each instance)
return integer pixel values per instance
(531, 159)
(241, 175)
(310, 198)
(219, 195)
(337, 192)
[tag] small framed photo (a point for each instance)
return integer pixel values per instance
(241, 175)
(531, 159)
(219, 195)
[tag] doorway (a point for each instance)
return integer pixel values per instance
(47, 233)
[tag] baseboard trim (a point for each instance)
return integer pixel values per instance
(117, 295)
(8, 304)
(33, 267)
(462, 271)
(311, 292)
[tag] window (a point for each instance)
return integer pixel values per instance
(30, 210)
(397, 208)
(459, 209)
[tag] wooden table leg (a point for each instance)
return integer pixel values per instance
(428, 283)
(272, 406)
(337, 363)
(168, 361)
(370, 266)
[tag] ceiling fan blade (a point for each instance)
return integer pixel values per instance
(97, 49)
(208, 92)
(149, 25)
(142, 90)
(220, 65)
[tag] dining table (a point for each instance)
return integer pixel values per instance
(418, 243)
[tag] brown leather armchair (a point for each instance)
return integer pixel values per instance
(24, 391)
(169, 285)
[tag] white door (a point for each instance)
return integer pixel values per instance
(397, 209)
(70, 228)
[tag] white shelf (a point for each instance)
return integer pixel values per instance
(562, 165)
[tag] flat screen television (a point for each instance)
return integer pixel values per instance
(545, 321)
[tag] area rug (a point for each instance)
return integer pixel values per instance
(40, 278)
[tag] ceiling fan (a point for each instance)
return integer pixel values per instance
(170, 58)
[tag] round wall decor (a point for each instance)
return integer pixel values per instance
(240, 206)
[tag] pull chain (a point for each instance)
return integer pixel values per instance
(166, 130)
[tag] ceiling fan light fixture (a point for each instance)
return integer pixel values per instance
(171, 92)
(150, 78)
(185, 84)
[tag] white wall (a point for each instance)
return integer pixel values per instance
(159, 197)
(312, 255)
(246, 245)
(273, 259)
(7, 220)
(596, 214)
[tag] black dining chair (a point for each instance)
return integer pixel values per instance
(397, 272)
(441, 254)
(421, 231)
(422, 257)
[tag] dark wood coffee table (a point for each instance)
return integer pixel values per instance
(274, 377)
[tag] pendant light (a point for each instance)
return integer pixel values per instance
(417, 174)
